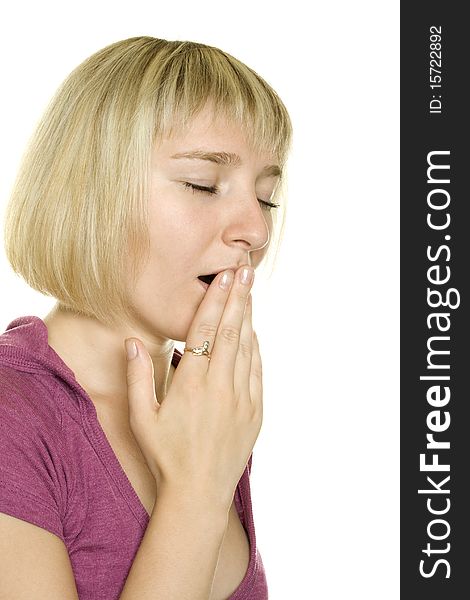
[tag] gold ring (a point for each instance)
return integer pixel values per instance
(200, 350)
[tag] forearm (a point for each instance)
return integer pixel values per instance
(179, 552)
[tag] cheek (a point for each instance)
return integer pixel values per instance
(179, 237)
(171, 229)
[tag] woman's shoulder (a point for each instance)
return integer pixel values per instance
(31, 452)
(28, 401)
(30, 374)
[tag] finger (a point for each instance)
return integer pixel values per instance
(256, 376)
(140, 382)
(224, 355)
(245, 351)
(206, 321)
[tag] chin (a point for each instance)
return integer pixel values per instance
(182, 326)
(178, 327)
(167, 319)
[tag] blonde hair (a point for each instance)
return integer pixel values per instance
(78, 210)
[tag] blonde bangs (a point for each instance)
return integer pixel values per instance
(76, 226)
(195, 74)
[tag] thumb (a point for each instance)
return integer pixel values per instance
(140, 381)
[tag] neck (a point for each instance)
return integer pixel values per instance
(96, 354)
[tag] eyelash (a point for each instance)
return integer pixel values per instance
(214, 190)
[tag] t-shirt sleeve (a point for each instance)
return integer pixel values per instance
(30, 454)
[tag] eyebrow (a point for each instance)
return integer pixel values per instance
(228, 159)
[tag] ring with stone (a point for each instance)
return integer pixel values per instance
(200, 350)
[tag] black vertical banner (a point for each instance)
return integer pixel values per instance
(435, 301)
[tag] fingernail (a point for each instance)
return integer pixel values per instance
(226, 280)
(247, 275)
(131, 349)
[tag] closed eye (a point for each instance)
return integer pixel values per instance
(215, 190)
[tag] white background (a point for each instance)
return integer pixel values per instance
(325, 467)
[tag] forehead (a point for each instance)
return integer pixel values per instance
(211, 137)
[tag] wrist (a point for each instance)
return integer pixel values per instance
(199, 502)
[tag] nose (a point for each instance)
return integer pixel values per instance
(248, 225)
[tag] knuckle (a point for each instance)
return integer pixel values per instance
(207, 329)
(241, 294)
(230, 334)
(134, 379)
(245, 350)
(139, 373)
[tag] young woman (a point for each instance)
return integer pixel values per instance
(149, 194)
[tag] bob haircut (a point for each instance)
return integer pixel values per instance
(78, 209)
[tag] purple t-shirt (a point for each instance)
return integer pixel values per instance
(59, 472)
